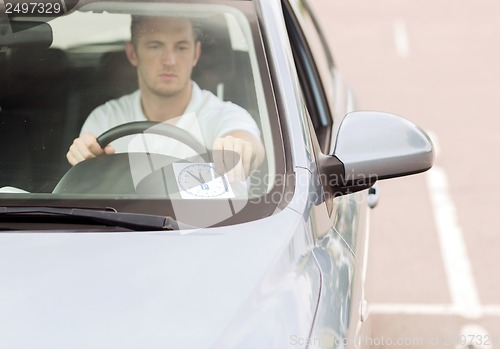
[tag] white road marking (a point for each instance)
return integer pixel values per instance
(401, 41)
(457, 265)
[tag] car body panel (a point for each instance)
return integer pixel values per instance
(147, 289)
(293, 112)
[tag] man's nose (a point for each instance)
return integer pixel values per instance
(168, 57)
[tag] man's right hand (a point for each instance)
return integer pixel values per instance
(86, 147)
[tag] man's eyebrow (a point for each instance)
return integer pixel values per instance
(154, 42)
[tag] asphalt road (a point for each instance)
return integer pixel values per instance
(434, 272)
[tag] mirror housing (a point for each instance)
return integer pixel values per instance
(372, 146)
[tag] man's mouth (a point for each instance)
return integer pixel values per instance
(167, 76)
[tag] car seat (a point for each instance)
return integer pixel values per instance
(32, 115)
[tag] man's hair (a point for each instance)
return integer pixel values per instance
(138, 21)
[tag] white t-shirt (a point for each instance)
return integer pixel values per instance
(206, 118)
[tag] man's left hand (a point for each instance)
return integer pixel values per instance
(238, 154)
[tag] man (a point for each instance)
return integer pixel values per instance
(165, 51)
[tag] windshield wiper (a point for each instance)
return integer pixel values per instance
(107, 216)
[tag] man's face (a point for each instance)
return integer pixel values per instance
(164, 53)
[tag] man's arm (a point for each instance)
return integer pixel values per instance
(238, 153)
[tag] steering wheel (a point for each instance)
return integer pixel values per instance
(111, 174)
(152, 127)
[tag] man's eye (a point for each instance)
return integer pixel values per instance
(183, 48)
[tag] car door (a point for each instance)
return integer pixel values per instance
(340, 222)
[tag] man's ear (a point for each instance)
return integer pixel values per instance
(197, 53)
(131, 55)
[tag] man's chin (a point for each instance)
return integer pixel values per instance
(166, 92)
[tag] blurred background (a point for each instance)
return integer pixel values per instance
(435, 242)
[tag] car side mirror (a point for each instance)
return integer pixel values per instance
(372, 146)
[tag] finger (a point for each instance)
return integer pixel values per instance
(109, 150)
(229, 158)
(75, 151)
(233, 159)
(247, 156)
(89, 141)
(239, 171)
(71, 159)
(228, 153)
(217, 156)
(81, 147)
(81, 150)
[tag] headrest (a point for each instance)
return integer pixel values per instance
(118, 74)
(37, 62)
(115, 66)
(216, 63)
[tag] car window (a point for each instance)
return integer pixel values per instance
(317, 44)
(313, 66)
(52, 95)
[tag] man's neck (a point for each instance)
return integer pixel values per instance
(160, 108)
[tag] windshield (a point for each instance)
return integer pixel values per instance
(161, 108)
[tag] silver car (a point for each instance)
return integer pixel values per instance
(141, 249)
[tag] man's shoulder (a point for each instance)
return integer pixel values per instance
(126, 102)
(208, 102)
